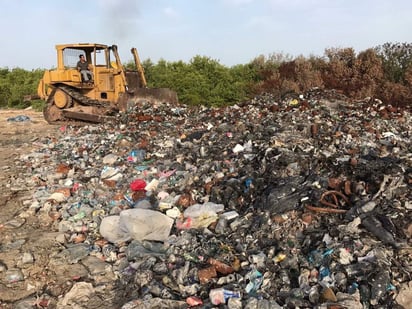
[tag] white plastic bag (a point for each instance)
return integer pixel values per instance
(145, 224)
(200, 215)
(110, 230)
(198, 210)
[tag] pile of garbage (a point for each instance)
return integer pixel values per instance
(299, 203)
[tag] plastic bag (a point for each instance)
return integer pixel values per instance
(220, 295)
(145, 224)
(208, 208)
(200, 215)
(138, 224)
(110, 230)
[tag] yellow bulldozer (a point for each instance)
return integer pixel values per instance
(113, 88)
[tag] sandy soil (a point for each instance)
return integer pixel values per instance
(16, 138)
(18, 235)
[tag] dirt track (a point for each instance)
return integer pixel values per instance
(16, 139)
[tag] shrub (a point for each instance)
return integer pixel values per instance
(396, 59)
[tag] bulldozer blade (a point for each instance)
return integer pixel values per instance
(85, 116)
(152, 95)
(156, 94)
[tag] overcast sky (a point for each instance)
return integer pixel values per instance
(229, 31)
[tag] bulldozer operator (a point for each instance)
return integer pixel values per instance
(84, 68)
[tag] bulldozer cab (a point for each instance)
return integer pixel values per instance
(70, 56)
(97, 55)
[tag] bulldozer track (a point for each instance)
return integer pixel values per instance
(79, 98)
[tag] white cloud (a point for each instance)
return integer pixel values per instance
(301, 5)
(259, 21)
(170, 12)
(237, 2)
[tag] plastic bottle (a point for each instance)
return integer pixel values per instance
(304, 279)
(225, 280)
(255, 279)
(221, 267)
(314, 294)
(379, 286)
(374, 225)
(14, 275)
(137, 155)
(191, 257)
(353, 288)
(365, 295)
(284, 275)
(220, 295)
(324, 273)
(78, 216)
(221, 225)
(361, 209)
(358, 270)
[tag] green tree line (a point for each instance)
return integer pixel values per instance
(383, 72)
(17, 83)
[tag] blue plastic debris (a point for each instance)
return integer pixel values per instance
(19, 118)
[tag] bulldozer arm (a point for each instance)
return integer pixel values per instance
(138, 90)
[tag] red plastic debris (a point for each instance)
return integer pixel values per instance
(194, 301)
(138, 185)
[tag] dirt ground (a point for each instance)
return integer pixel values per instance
(18, 137)
(18, 234)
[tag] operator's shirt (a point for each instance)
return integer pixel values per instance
(82, 66)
